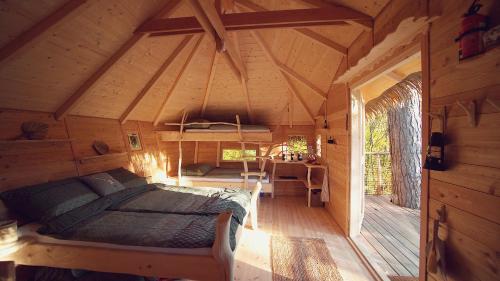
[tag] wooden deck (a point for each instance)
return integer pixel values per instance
(389, 237)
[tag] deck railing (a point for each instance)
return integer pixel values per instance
(378, 173)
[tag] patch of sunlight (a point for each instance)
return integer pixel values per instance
(254, 250)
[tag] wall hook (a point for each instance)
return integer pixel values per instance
(470, 110)
(493, 103)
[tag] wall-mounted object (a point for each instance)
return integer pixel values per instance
(331, 140)
(435, 153)
(473, 27)
(100, 147)
(493, 103)
(470, 110)
(134, 141)
(33, 130)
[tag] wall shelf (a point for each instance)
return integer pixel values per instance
(34, 141)
(87, 159)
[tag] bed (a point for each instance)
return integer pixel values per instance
(224, 177)
(144, 229)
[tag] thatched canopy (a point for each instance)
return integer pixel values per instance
(395, 96)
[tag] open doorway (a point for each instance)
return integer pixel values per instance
(386, 149)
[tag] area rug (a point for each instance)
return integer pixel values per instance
(302, 259)
(403, 278)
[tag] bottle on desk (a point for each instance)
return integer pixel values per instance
(291, 156)
(299, 157)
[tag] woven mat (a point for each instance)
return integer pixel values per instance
(403, 278)
(302, 259)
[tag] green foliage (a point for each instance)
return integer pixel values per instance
(377, 158)
(297, 144)
(237, 155)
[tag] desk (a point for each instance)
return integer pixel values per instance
(307, 181)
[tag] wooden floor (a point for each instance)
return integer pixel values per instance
(389, 237)
(289, 216)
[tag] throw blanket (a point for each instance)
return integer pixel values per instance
(140, 217)
(189, 201)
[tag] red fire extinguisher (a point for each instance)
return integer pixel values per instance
(471, 35)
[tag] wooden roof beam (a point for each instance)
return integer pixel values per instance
(301, 79)
(244, 83)
(210, 20)
(396, 76)
(366, 24)
(208, 88)
(275, 63)
(176, 81)
(254, 20)
(126, 114)
(83, 90)
(303, 31)
(32, 35)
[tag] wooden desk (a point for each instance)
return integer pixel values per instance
(308, 182)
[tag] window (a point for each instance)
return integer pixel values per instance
(318, 145)
(235, 154)
(297, 144)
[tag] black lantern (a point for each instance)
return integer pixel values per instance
(435, 153)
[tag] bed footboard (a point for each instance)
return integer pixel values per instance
(253, 205)
(221, 249)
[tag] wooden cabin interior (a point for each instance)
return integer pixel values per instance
(227, 140)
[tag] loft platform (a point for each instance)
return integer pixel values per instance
(214, 136)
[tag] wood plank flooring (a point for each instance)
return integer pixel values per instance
(289, 216)
(389, 237)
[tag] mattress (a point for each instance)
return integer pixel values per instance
(232, 129)
(226, 175)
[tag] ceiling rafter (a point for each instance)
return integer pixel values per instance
(317, 37)
(33, 34)
(244, 83)
(275, 63)
(208, 88)
(253, 20)
(152, 81)
(301, 79)
(210, 20)
(366, 24)
(395, 75)
(176, 81)
(83, 90)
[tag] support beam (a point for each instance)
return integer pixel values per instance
(176, 81)
(244, 85)
(208, 88)
(211, 22)
(31, 36)
(301, 79)
(303, 31)
(275, 63)
(126, 114)
(251, 21)
(365, 24)
(83, 90)
(322, 40)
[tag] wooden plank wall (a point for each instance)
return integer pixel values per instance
(338, 154)
(470, 188)
(24, 164)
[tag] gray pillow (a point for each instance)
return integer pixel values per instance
(197, 170)
(48, 200)
(127, 178)
(102, 183)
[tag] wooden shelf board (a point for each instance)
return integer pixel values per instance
(34, 141)
(104, 156)
(297, 179)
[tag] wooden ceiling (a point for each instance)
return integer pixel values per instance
(83, 58)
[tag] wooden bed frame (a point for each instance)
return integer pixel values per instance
(217, 267)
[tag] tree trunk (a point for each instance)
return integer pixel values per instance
(405, 128)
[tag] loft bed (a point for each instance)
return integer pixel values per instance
(216, 131)
(223, 131)
(69, 239)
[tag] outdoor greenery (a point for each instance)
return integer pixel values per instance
(377, 157)
(297, 144)
(237, 155)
